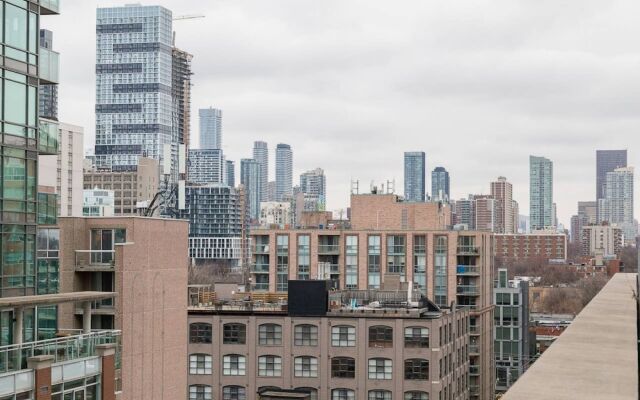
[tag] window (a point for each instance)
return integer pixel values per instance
(343, 394)
(343, 336)
(313, 392)
(200, 392)
(269, 366)
(379, 395)
(416, 396)
(270, 334)
(380, 368)
(373, 262)
(380, 336)
(416, 337)
(234, 334)
(234, 364)
(306, 335)
(200, 364)
(395, 254)
(351, 262)
(416, 369)
(343, 367)
(199, 332)
(306, 367)
(234, 393)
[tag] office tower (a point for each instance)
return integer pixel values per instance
(128, 200)
(181, 91)
(216, 224)
(48, 93)
(205, 166)
(540, 192)
(440, 190)
(250, 177)
(261, 155)
(314, 184)
(210, 128)
(231, 173)
(607, 161)
(322, 352)
(512, 331)
(414, 176)
(616, 207)
(502, 191)
(284, 172)
(134, 98)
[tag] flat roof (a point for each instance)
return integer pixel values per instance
(53, 299)
(597, 355)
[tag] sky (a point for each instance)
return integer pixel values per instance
(353, 84)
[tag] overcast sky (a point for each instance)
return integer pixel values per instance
(478, 85)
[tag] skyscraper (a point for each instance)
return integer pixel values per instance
(616, 207)
(314, 185)
(231, 173)
(205, 166)
(540, 192)
(440, 184)
(607, 161)
(284, 171)
(502, 191)
(210, 128)
(181, 90)
(261, 155)
(250, 178)
(134, 100)
(414, 176)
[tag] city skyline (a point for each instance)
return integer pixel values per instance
(280, 107)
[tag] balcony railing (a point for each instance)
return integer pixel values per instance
(474, 390)
(49, 66)
(260, 287)
(474, 370)
(469, 250)
(14, 357)
(259, 268)
(95, 260)
(261, 249)
(467, 270)
(47, 137)
(474, 329)
(474, 349)
(328, 249)
(99, 307)
(468, 290)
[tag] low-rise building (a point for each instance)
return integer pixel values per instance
(275, 213)
(389, 211)
(97, 203)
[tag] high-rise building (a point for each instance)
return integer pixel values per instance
(512, 331)
(250, 177)
(314, 184)
(271, 191)
(502, 191)
(48, 93)
(440, 190)
(607, 161)
(414, 175)
(604, 240)
(134, 94)
(261, 155)
(465, 212)
(210, 128)
(616, 207)
(540, 192)
(231, 173)
(205, 166)
(284, 172)
(487, 213)
(181, 91)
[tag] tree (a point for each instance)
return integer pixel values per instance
(629, 257)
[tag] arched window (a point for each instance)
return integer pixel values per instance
(343, 336)
(380, 368)
(200, 392)
(416, 369)
(313, 392)
(200, 364)
(234, 333)
(269, 366)
(199, 332)
(306, 335)
(415, 395)
(234, 365)
(270, 335)
(343, 394)
(234, 393)
(380, 336)
(379, 395)
(343, 367)
(305, 367)
(416, 336)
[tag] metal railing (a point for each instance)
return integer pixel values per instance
(474, 369)
(328, 249)
(468, 290)
(474, 349)
(261, 249)
(470, 250)
(260, 268)
(14, 357)
(474, 329)
(95, 258)
(467, 270)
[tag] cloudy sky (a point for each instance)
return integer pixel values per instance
(352, 84)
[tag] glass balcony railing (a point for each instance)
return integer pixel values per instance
(468, 250)
(467, 270)
(260, 268)
(328, 249)
(474, 370)
(95, 259)
(474, 349)
(261, 249)
(14, 357)
(48, 137)
(474, 329)
(48, 66)
(260, 287)
(48, 7)
(470, 290)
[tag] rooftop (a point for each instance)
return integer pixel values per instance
(597, 355)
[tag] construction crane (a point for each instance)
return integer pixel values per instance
(182, 18)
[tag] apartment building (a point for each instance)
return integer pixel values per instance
(146, 268)
(389, 211)
(346, 345)
(131, 188)
(605, 240)
(541, 245)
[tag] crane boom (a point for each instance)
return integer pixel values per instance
(182, 17)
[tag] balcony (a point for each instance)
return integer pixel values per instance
(260, 287)
(49, 7)
(468, 270)
(474, 390)
(47, 137)
(14, 357)
(474, 349)
(95, 260)
(48, 66)
(259, 268)
(101, 307)
(328, 249)
(261, 249)
(474, 370)
(474, 329)
(467, 290)
(468, 251)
